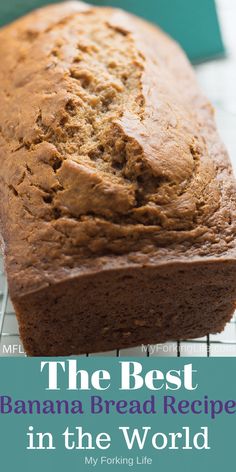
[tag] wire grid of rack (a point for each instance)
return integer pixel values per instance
(223, 344)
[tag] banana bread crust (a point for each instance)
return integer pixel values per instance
(112, 174)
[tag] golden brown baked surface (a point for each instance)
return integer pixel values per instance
(107, 147)
(117, 209)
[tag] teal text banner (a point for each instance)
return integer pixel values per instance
(102, 413)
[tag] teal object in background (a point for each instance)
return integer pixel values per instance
(193, 23)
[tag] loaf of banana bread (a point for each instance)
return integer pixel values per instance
(118, 202)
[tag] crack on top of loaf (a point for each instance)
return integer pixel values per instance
(86, 131)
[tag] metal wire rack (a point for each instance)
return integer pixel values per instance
(223, 344)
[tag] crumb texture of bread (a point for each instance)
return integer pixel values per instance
(109, 153)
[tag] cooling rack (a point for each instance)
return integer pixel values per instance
(223, 344)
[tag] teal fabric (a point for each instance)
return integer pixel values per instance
(193, 23)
